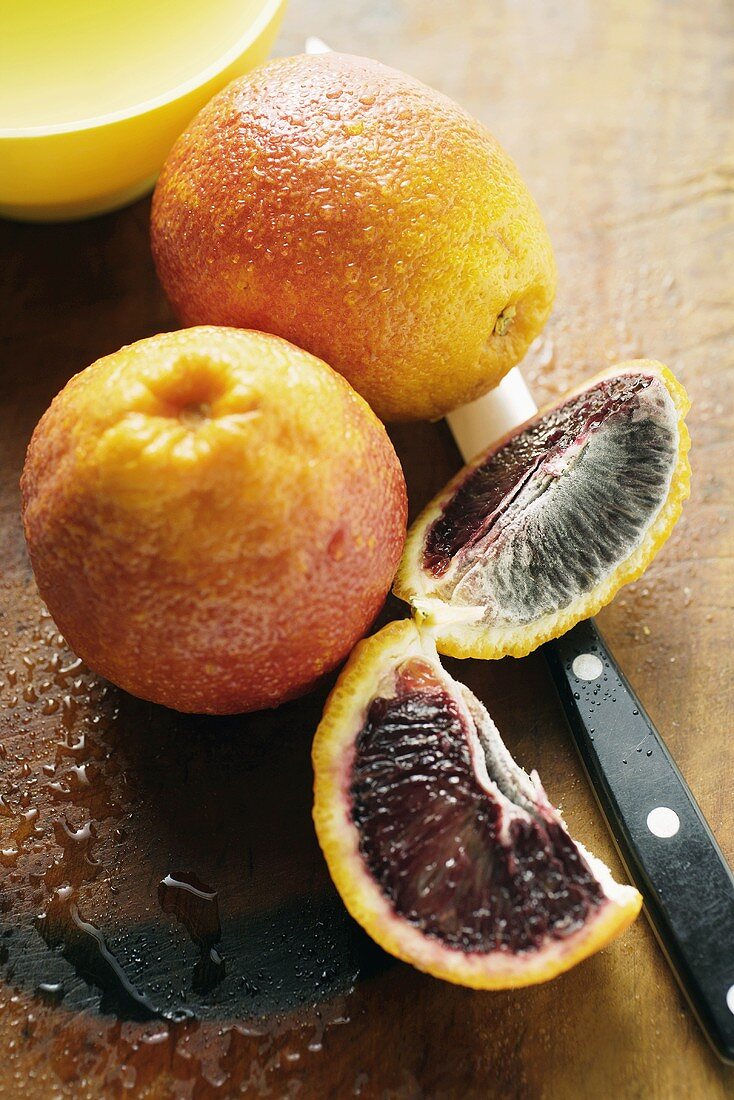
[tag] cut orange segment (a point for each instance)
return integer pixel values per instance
(544, 527)
(441, 846)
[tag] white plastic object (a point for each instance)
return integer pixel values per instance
(476, 425)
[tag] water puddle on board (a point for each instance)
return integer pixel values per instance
(165, 913)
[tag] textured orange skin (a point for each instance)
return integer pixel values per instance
(219, 565)
(364, 216)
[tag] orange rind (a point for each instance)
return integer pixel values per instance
(359, 213)
(214, 517)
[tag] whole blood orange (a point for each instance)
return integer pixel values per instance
(213, 516)
(446, 851)
(350, 208)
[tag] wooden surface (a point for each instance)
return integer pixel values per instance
(619, 115)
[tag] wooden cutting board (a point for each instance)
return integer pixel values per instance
(202, 951)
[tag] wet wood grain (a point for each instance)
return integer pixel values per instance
(620, 117)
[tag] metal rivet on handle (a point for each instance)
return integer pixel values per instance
(587, 667)
(730, 999)
(663, 822)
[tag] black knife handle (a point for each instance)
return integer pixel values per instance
(662, 836)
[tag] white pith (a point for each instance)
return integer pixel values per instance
(468, 573)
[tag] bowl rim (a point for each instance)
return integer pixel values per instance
(268, 10)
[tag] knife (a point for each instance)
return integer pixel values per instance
(662, 837)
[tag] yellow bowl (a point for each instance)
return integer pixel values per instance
(93, 93)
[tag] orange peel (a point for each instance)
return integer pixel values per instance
(213, 517)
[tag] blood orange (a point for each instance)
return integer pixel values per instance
(447, 852)
(543, 528)
(214, 517)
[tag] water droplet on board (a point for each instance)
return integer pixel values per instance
(50, 991)
(196, 905)
(83, 946)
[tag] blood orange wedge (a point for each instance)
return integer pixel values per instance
(446, 851)
(545, 526)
